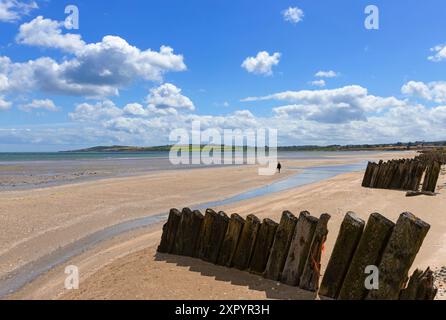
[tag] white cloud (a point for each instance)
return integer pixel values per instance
(86, 112)
(318, 83)
(432, 91)
(4, 105)
(293, 15)
(135, 109)
(326, 74)
(440, 53)
(169, 96)
(114, 62)
(46, 75)
(47, 33)
(340, 116)
(164, 100)
(350, 103)
(14, 10)
(45, 104)
(262, 63)
(4, 83)
(94, 70)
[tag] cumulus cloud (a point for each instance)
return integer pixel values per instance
(340, 116)
(14, 10)
(293, 15)
(169, 96)
(439, 53)
(92, 70)
(432, 91)
(162, 101)
(167, 109)
(340, 105)
(115, 63)
(47, 75)
(297, 124)
(326, 74)
(4, 105)
(262, 63)
(4, 83)
(86, 112)
(47, 33)
(318, 83)
(45, 104)
(135, 109)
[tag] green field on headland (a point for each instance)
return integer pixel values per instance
(400, 146)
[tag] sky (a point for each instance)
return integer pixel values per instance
(129, 72)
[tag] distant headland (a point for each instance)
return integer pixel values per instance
(399, 146)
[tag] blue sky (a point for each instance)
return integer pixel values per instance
(229, 64)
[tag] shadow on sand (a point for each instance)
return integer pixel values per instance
(273, 289)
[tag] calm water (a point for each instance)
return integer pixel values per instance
(19, 171)
(56, 156)
(64, 156)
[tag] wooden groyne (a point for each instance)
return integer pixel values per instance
(406, 174)
(438, 155)
(291, 251)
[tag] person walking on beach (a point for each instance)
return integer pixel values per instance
(279, 167)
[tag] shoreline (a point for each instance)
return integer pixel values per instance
(289, 163)
(37, 174)
(27, 273)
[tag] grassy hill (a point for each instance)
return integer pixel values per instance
(418, 145)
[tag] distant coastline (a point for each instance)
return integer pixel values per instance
(400, 146)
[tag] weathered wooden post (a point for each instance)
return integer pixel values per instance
(299, 248)
(369, 252)
(412, 184)
(431, 178)
(217, 235)
(205, 234)
(367, 175)
(190, 228)
(262, 248)
(280, 247)
(182, 231)
(169, 232)
(343, 251)
(405, 173)
(245, 247)
(399, 254)
(393, 166)
(420, 287)
(405, 182)
(419, 175)
(375, 175)
(212, 233)
(310, 277)
(396, 180)
(382, 175)
(230, 241)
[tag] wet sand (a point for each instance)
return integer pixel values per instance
(127, 267)
(144, 274)
(27, 175)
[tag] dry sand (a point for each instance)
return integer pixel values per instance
(127, 267)
(36, 222)
(147, 275)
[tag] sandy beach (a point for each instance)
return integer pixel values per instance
(35, 223)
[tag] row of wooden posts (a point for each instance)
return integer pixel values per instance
(405, 174)
(260, 247)
(291, 251)
(432, 155)
(390, 247)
